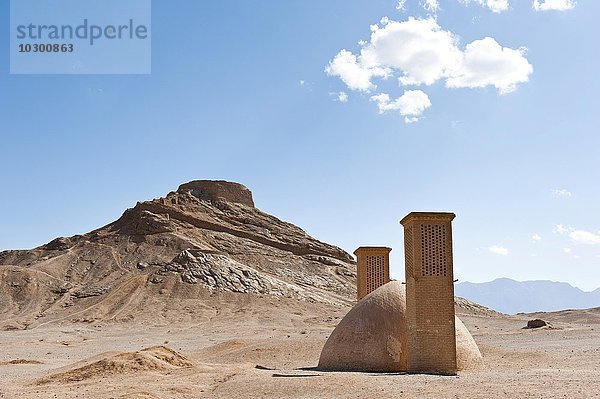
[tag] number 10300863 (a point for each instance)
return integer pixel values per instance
(46, 48)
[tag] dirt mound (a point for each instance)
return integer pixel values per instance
(156, 358)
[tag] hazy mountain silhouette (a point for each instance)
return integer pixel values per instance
(510, 296)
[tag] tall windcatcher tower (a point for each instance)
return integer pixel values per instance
(430, 292)
(372, 269)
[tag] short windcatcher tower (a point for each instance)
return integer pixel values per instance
(373, 269)
(430, 292)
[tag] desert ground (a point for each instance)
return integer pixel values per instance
(260, 347)
(199, 294)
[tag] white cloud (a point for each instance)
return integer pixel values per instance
(354, 75)
(558, 5)
(578, 236)
(431, 5)
(400, 5)
(498, 250)
(584, 237)
(560, 229)
(562, 193)
(536, 237)
(342, 97)
(486, 63)
(411, 104)
(496, 6)
(567, 250)
(420, 52)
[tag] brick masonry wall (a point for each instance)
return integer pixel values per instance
(434, 345)
(373, 269)
(430, 293)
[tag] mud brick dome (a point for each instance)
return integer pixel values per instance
(373, 336)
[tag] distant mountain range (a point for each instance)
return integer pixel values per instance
(510, 296)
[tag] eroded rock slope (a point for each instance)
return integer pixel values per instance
(204, 239)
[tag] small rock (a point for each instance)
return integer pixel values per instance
(156, 280)
(91, 292)
(189, 278)
(142, 265)
(536, 323)
(58, 244)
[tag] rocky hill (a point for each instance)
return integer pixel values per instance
(201, 242)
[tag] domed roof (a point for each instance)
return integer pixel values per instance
(467, 352)
(373, 336)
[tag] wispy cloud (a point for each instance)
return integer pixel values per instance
(561, 229)
(562, 193)
(496, 6)
(578, 236)
(585, 237)
(498, 250)
(556, 5)
(342, 97)
(432, 6)
(536, 237)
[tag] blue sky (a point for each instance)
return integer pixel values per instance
(239, 91)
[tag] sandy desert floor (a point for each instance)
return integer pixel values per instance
(268, 349)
